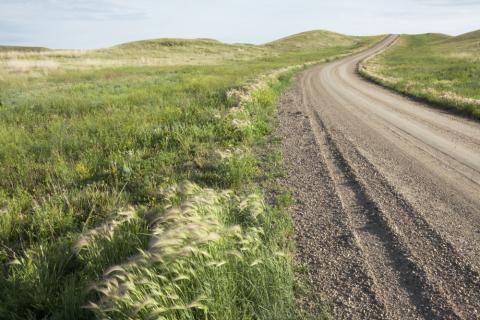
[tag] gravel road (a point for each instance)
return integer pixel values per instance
(388, 211)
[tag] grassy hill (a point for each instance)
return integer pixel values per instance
(437, 68)
(470, 36)
(313, 45)
(133, 185)
(22, 49)
(313, 40)
(465, 44)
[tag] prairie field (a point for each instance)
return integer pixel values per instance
(436, 68)
(138, 181)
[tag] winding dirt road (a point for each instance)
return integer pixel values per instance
(388, 212)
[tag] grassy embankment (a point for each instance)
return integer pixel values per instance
(130, 187)
(436, 68)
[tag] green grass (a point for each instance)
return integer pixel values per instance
(313, 40)
(20, 48)
(132, 191)
(435, 68)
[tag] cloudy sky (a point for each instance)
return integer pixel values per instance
(101, 23)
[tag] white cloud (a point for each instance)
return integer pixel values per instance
(72, 9)
(99, 23)
(450, 3)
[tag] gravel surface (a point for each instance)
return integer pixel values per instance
(388, 197)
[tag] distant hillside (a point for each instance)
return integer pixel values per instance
(468, 43)
(470, 36)
(423, 38)
(20, 48)
(311, 45)
(200, 51)
(434, 36)
(169, 42)
(312, 40)
(305, 41)
(182, 51)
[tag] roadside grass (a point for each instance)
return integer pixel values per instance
(435, 68)
(133, 191)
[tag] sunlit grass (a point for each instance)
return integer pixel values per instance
(97, 216)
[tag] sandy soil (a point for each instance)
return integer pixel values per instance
(388, 211)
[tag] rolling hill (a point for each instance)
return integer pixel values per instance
(313, 40)
(169, 51)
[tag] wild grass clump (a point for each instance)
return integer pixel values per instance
(199, 265)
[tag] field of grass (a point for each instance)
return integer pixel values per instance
(436, 68)
(131, 186)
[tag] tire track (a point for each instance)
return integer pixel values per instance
(344, 283)
(395, 276)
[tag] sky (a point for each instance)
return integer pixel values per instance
(102, 23)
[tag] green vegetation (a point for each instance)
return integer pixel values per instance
(436, 68)
(131, 189)
(21, 49)
(314, 40)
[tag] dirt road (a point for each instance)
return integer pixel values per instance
(388, 212)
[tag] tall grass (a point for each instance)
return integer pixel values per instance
(205, 250)
(131, 192)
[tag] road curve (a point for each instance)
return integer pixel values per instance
(388, 190)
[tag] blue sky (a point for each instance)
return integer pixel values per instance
(101, 23)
